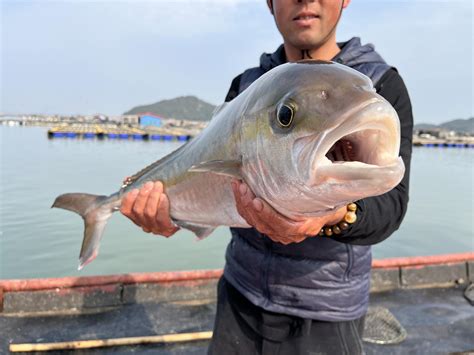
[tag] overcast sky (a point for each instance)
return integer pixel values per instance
(85, 57)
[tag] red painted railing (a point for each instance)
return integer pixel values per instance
(195, 275)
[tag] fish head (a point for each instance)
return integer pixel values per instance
(322, 138)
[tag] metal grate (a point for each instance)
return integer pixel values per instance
(469, 294)
(381, 327)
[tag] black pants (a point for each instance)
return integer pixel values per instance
(243, 328)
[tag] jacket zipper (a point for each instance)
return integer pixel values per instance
(350, 261)
(266, 267)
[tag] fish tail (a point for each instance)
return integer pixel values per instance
(95, 210)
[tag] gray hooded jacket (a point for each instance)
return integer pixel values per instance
(318, 278)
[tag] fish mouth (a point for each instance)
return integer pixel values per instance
(363, 144)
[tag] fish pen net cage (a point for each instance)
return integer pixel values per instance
(381, 327)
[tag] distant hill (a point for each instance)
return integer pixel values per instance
(184, 108)
(458, 125)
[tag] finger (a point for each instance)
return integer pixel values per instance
(262, 222)
(243, 202)
(272, 221)
(287, 239)
(239, 204)
(262, 216)
(278, 239)
(166, 226)
(278, 227)
(151, 206)
(127, 202)
(140, 202)
(244, 193)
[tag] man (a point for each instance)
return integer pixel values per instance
(285, 289)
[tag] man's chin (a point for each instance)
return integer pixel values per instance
(306, 41)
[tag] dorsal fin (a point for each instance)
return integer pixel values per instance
(130, 180)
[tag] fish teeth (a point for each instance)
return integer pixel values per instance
(342, 150)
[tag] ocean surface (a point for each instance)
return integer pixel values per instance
(36, 241)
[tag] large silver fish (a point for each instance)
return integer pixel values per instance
(307, 137)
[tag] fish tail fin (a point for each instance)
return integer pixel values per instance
(95, 211)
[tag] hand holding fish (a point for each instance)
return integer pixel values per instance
(149, 208)
(277, 227)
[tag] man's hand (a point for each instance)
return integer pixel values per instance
(149, 208)
(277, 227)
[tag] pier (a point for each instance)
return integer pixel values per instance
(115, 132)
(459, 142)
(187, 132)
(418, 305)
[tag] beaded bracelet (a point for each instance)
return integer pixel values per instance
(349, 218)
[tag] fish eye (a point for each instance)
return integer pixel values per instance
(285, 115)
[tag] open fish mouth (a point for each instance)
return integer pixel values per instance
(362, 155)
(363, 145)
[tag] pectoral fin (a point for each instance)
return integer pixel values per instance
(222, 167)
(201, 231)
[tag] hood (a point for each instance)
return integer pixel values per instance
(270, 61)
(352, 53)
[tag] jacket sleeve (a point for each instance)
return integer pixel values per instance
(378, 217)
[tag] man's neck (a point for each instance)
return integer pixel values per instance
(325, 52)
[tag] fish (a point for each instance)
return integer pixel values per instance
(308, 137)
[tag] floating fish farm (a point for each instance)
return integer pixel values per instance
(444, 145)
(121, 133)
(185, 133)
(464, 142)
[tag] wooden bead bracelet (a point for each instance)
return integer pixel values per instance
(349, 218)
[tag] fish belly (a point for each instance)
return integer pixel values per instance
(206, 199)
